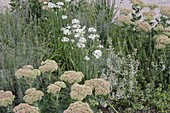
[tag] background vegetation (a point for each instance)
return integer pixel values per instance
(135, 50)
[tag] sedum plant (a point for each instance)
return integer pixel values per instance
(45, 96)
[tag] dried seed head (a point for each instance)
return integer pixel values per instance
(48, 66)
(72, 76)
(78, 107)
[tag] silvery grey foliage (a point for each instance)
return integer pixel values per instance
(121, 71)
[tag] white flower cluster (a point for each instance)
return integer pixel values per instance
(77, 35)
(93, 34)
(53, 5)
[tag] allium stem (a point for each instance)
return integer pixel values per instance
(113, 107)
(57, 102)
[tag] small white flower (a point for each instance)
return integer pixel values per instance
(92, 30)
(77, 35)
(60, 3)
(75, 21)
(93, 36)
(65, 39)
(45, 3)
(68, 27)
(100, 46)
(86, 58)
(51, 5)
(64, 17)
(79, 31)
(67, 0)
(82, 40)
(84, 27)
(75, 26)
(80, 45)
(72, 40)
(97, 53)
(66, 32)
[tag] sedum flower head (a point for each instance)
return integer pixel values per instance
(136, 2)
(167, 29)
(144, 26)
(162, 39)
(48, 66)
(160, 46)
(32, 95)
(165, 10)
(124, 19)
(125, 11)
(6, 98)
(60, 84)
(78, 107)
(149, 15)
(52, 88)
(151, 6)
(79, 92)
(100, 86)
(25, 108)
(27, 71)
(159, 28)
(72, 76)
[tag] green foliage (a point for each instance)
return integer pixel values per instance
(30, 34)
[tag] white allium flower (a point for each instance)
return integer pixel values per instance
(45, 3)
(60, 3)
(75, 21)
(82, 40)
(72, 40)
(66, 32)
(51, 5)
(75, 26)
(65, 39)
(67, 0)
(93, 36)
(80, 45)
(100, 46)
(86, 58)
(68, 27)
(79, 31)
(64, 17)
(92, 30)
(77, 35)
(97, 53)
(84, 27)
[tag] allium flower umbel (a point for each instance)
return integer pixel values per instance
(32, 95)
(6, 98)
(101, 86)
(72, 76)
(78, 107)
(27, 71)
(79, 92)
(48, 66)
(97, 53)
(56, 87)
(25, 108)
